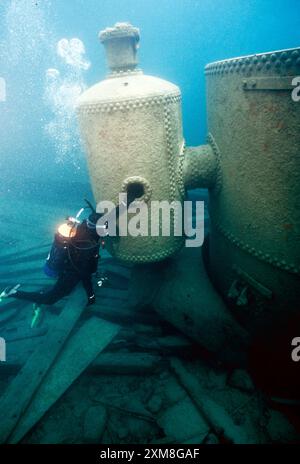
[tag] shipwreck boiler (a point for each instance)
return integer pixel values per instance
(132, 130)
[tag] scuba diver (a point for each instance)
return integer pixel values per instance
(73, 258)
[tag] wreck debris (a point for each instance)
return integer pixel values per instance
(94, 424)
(191, 422)
(13, 404)
(126, 363)
(142, 346)
(241, 379)
(79, 351)
(215, 415)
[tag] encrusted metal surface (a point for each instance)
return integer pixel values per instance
(119, 31)
(255, 215)
(121, 44)
(200, 167)
(278, 62)
(293, 267)
(107, 106)
(268, 83)
(135, 130)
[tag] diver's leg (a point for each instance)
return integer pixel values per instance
(34, 297)
(63, 287)
(88, 287)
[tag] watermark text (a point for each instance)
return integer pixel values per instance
(156, 218)
(2, 90)
(296, 351)
(296, 91)
(2, 350)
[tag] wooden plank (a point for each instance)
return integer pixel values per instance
(79, 351)
(18, 352)
(215, 414)
(22, 331)
(182, 420)
(6, 314)
(18, 395)
(126, 363)
(15, 273)
(112, 363)
(37, 259)
(38, 278)
(22, 268)
(13, 252)
(112, 293)
(116, 268)
(122, 313)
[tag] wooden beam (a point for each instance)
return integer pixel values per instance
(32, 258)
(126, 363)
(111, 363)
(13, 252)
(79, 351)
(19, 393)
(215, 414)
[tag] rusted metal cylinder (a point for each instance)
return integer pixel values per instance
(255, 215)
(132, 129)
(131, 125)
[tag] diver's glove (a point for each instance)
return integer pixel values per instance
(91, 300)
(9, 291)
(37, 316)
(102, 281)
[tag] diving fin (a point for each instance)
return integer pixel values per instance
(9, 291)
(37, 316)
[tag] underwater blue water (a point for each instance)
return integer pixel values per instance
(49, 53)
(178, 38)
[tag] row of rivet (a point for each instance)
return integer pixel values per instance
(180, 181)
(124, 72)
(156, 256)
(170, 151)
(276, 60)
(217, 153)
(265, 257)
(129, 104)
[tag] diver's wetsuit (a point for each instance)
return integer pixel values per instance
(82, 263)
(66, 282)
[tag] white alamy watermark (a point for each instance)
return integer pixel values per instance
(2, 90)
(296, 90)
(2, 350)
(296, 351)
(156, 218)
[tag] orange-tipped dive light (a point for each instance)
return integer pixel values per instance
(67, 230)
